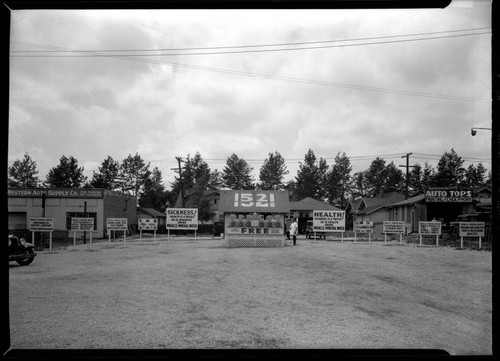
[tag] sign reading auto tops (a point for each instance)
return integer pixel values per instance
(394, 227)
(448, 196)
(82, 224)
(116, 224)
(471, 229)
(182, 218)
(41, 224)
(329, 221)
(148, 224)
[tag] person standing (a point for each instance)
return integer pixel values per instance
(294, 227)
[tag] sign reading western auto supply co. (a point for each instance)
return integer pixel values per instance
(182, 218)
(56, 192)
(448, 196)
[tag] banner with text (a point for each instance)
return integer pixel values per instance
(148, 224)
(394, 227)
(471, 229)
(82, 224)
(363, 227)
(329, 221)
(182, 218)
(429, 228)
(116, 224)
(41, 224)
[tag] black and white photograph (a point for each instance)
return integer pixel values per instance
(312, 179)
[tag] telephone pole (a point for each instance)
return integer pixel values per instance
(179, 160)
(407, 166)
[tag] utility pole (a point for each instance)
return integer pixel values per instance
(407, 166)
(84, 215)
(179, 160)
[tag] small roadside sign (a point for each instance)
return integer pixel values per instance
(116, 224)
(82, 224)
(41, 224)
(148, 224)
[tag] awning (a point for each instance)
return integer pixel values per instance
(254, 201)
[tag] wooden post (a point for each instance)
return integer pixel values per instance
(50, 241)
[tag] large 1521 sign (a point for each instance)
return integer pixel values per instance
(182, 218)
(264, 200)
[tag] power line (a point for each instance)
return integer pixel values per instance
(296, 80)
(135, 51)
(98, 54)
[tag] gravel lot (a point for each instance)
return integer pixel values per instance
(183, 294)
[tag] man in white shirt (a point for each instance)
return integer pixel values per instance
(294, 227)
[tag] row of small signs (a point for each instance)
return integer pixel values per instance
(334, 221)
(177, 218)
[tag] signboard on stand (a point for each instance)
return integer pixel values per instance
(329, 221)
(393, 227)
(182, 218)
(471, 229)
(148, 224)
(41, 224)
(117, 224)
(82, 224)
(432, 228)
(363, 227)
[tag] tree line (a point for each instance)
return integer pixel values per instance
(333, 184)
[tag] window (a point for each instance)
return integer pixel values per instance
(70, 215)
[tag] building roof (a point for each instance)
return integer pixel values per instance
(254, 201)
(369, 210)
(189, 193)
(151, 211)
(311, 204)
(412, 200)
(354, 204)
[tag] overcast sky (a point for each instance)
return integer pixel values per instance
(89, 84)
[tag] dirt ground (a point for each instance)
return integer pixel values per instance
(182, 294)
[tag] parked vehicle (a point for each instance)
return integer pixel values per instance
(21, 251)
(310, 231)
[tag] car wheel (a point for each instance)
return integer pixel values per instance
(28, 259)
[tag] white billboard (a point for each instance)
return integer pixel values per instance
(363, 227)
(116, 224)
(429, 228)
(394, 227)
(148, 224)
(471, 229)
(182, 218)
(41, 224)
(329, 221)
(82, 224)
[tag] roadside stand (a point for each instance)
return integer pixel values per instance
(254, 218)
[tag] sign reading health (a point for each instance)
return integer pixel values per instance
(329, 221)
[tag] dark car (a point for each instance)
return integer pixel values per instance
(21, 251)
(310, 231)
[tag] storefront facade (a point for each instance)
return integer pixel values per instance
(254, 218)
(62, 204)
(442, 204)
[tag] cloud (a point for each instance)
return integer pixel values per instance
(94, 107)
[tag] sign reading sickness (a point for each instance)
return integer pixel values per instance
(182, 218)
